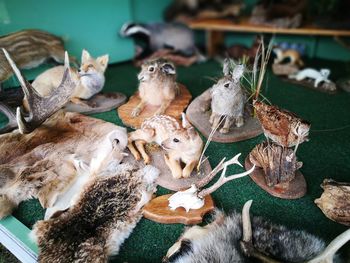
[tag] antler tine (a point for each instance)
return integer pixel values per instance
(12, 124)
(246, 223)
(218, 168)
(222, 180)
(327, 255)
(41, 108)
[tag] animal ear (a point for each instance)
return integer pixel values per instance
(168, 68)
(149, 131)
(192, 132)
(85, 56)
(226, 67)
(185, 123)
(103, 61)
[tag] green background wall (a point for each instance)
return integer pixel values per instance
(94, 25)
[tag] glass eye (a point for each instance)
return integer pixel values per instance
(176, 140)
(227, 85)
(116, 141)
(151, 69)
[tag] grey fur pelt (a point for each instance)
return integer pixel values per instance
(103, 217)
(220, 242)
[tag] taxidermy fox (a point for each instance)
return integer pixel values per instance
(291, 54)
(182, 144)
(157, 85)
(90, 79)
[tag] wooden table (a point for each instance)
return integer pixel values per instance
(215, 30)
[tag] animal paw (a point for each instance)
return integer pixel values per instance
(239, 122)
(147, 160)
(136, 112)
(177, 175)
(186, 173)
(6, 206)
(159, 112)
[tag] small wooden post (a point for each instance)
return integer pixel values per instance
(215, 40)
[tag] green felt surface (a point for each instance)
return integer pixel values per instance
(326, 155)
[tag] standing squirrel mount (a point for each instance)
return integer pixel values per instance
(158, 93)
(287, 61)
(182, 144)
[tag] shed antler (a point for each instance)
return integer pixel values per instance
(41, 108)
(223, 179)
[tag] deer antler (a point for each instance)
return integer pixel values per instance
(12, 124)
(217, 169)
(41, 108)
(222, 180)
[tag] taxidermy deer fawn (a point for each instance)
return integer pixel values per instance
(42, 161)
(234, 238)
(157, 85)
(182, 143)
(29, 49)
(291, 54)
(90, 78)
(227, 99)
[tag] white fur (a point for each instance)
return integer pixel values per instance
(317, 76)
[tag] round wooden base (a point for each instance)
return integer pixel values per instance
(102, 102)
(158, 210)
(284, 69)
(200, 120)
(165, 178)
(175, 109)
(292, 190)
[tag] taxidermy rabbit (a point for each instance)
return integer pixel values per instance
(234, 238)
(90, 78)
(317, 76)
(157, 85)
(29, 49)
(182, 144)
(102, 218)
(227, 99)
(291, 54)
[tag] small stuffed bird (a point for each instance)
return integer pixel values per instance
(281, 126)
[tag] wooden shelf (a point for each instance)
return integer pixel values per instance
(215, 29)
(245, 26)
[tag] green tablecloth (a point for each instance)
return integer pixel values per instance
(326, 155)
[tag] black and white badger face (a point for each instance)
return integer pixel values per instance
(131, 29)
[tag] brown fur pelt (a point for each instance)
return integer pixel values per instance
(43, 163)
(103, 217)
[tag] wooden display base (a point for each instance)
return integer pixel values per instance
(158, 210)
(101, 102)
(175, 109)
(293, 190)
(284, 69)
(329, 88)
(200, 120)
(165, 178)
(344, 84)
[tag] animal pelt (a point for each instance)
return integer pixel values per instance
(103, 217)
(43, 163)
(220, 242)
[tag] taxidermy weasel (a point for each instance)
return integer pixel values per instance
(181, 143)
(90, 79)
(227, 99)
(291, 54)
(157, 86)
(105, 214)
(313, 74)
(29, 49)
(236, 238)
